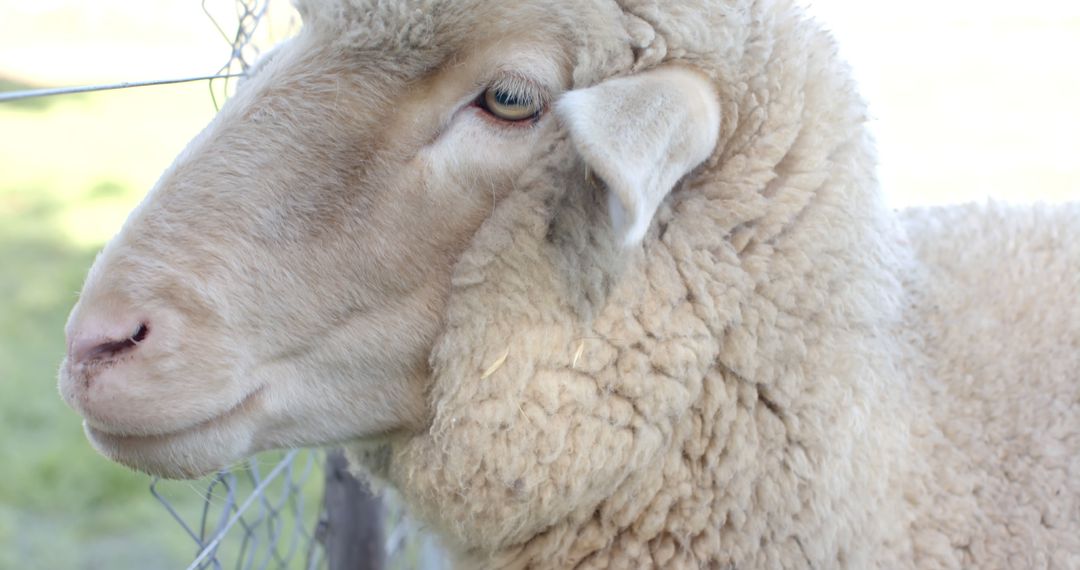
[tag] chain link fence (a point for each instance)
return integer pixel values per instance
(257, 516)
(244, 49)
(295, 510)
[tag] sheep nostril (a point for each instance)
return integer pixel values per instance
(95, 348)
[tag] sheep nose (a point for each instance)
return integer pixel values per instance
(105, 341)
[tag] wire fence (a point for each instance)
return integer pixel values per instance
(244, 50)
(297, 509)
(277, 511)
(252, 517)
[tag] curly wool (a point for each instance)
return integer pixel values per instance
(779, 378)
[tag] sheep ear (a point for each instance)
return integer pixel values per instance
(641, 135)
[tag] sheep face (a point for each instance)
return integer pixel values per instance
(282, 284)
(285, 281)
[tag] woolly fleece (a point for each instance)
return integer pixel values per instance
(783, 375)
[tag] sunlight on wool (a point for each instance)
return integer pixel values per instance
(969, 98)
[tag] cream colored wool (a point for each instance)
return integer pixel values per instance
(754, 390)
(995, 307)
(783, 373)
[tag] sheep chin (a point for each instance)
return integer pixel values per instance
(190, 453)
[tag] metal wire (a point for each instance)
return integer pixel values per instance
(32, 93)
(250, 520)
(243, 51)
(242, 54)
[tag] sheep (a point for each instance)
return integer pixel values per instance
(594, 284)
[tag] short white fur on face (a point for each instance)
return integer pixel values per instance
(259, 310)
(641, 135)
(293, 263)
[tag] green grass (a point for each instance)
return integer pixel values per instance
(70, 170)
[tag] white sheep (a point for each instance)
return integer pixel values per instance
(595, 284)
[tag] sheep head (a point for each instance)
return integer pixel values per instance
(290, 279)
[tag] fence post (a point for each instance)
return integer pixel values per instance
(354, 524)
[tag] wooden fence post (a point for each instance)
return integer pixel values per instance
(353, 533)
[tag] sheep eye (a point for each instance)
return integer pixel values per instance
(509, 106)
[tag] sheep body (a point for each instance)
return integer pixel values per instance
(780, 373)
(998, 329)
(762, 387)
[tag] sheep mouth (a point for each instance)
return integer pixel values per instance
(121, 439)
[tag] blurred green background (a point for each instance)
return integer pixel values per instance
(978, 101)
(71, 169)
